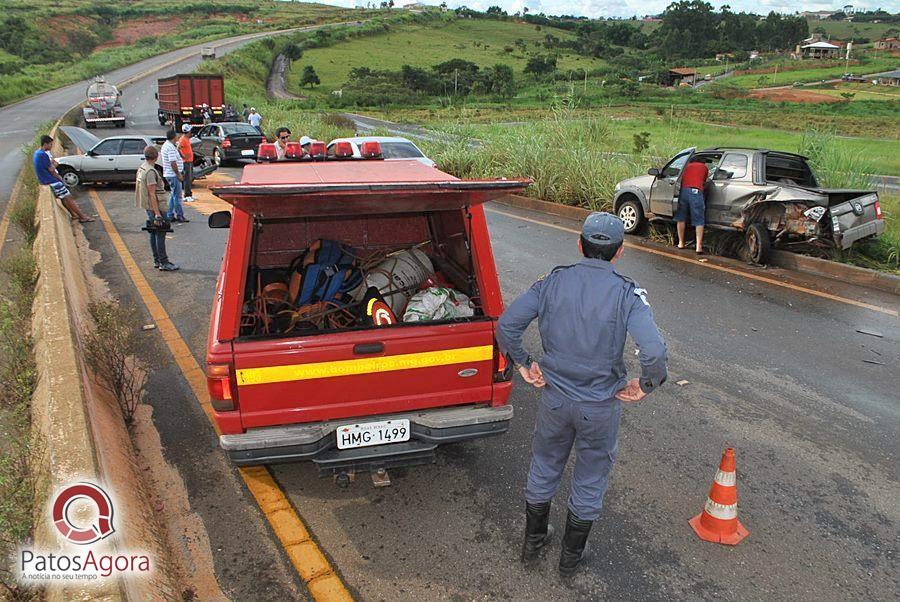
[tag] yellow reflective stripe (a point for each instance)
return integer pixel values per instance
(409, 361)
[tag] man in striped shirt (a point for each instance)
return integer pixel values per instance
(173, 168)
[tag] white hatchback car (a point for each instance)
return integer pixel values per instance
(391, 148)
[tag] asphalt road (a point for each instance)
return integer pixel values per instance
(19, 121)
(779, 374)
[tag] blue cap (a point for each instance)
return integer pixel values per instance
(603, 228)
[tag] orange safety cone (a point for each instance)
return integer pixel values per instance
(718, 522)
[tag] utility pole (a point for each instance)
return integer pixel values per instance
(455, 82)
(847, 62)
(585, 81)
(775, 75)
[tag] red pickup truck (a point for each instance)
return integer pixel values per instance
(320, 379)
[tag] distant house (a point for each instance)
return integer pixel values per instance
(820, 15)
(890, 79)
(888, 44)
(820, 50)
(724, 55)
(415, 6)
(681, 75)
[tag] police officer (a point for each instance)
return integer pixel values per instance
(584, 312)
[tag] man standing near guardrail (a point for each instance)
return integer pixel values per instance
(173, 167)
(585, 311)
(45, 170)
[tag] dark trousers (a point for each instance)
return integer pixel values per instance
(188, 178)
(157, 243)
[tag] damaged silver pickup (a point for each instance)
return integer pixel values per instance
(773, 198)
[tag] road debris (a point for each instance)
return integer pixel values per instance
(876, 362)
(870, 333)
(682, 383)
(148, 327)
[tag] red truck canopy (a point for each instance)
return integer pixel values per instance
(358, 187)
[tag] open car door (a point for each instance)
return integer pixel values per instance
(666, 186)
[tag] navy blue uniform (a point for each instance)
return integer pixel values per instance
(585, 312)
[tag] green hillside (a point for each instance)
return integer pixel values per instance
(483, 42)
(46, 45)
(843, 30)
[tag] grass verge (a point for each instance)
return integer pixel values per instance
(18, 378)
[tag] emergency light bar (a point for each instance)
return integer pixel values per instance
(267, 152)
(343, 150)
(317, 149)
(293, 150)
(370, 149)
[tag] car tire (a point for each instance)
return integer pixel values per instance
(758, 242)
(70, 177)
(632, 215)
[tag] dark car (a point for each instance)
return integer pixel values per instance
(229, 141)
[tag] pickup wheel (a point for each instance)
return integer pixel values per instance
(759, 243)
(70, 177)
(632, 215)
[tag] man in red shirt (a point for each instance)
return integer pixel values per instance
(187, 153)
(691, 200)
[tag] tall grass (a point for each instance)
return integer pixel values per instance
(569, 159)
(836, 165)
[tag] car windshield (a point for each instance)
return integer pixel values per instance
(240, 129)
(400, 150)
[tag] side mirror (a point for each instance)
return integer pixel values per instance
(220, 219)
(721, 174)
(195, 141)
(90, 153)
(653, 172)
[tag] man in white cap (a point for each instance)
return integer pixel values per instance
(305, 141)
(187, 154)
(255, 119)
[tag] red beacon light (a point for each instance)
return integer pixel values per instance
(293, 150)
(317, 149)
(343, 150)
(371, 149)
(267, 152)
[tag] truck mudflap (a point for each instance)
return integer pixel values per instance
(317, 442)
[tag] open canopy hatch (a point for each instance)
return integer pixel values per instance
(356, 187)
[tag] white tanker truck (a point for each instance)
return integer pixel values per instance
(103, 105)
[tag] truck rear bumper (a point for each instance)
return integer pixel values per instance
(851, 235)
(317, 441)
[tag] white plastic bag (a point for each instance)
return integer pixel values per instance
(438, 303)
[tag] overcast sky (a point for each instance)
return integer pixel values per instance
(627, 8)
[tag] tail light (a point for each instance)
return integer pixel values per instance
(343, 150)
(218, 382)
(877, 209)
(267, 152)
(293, 150)
(317, 149)
(370, 149)
(226, 143)
(502, 367)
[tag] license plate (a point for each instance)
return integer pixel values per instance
(372, 433)
(247, 153)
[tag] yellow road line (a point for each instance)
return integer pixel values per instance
(387, 363)
(304, 553)
(720, 268)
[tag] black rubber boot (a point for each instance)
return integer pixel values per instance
(574, 540)
(537, 530)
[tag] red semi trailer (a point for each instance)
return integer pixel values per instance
(183, 97)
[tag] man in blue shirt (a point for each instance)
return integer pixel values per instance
(45, 170)
(585, 311)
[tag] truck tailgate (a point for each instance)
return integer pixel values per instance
(363, 373)
(855, 219)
